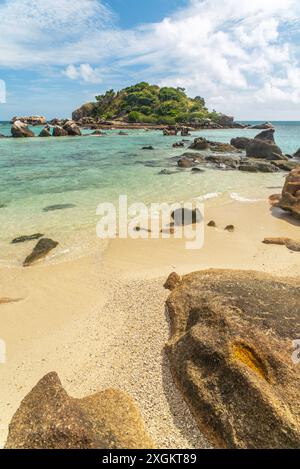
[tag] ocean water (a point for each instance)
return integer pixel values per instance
(37, 173)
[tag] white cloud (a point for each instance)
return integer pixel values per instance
(84, 73)
(243, 51)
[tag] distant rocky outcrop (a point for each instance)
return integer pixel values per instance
(84, 111)
(266, 125)
(21, 130)
(43, 247)
(290, 198)
(225, 121)
(231, 356)
(30, 120)
(48, 418)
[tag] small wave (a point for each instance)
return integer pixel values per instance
(240, 198)
(209, 195)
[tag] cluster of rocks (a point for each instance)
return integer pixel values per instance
(48, 418)
(230, 354)
(260, 154)
(20, 129)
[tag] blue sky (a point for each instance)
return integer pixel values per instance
(242, 57)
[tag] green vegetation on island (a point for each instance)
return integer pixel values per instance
(148, 104)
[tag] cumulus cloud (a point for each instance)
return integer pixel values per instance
(233, 52)
(84, 72)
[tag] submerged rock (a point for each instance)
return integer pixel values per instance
(150, 147)
(186, 163)
(231, 356)
(51, 208)
(198, 170)
(257, 166)
(167, 172)
(23, 239)
(290, 198)
(20, 130)
(43, 247)
(178, 144)
(48, 418)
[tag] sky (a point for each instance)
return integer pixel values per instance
(242, 56)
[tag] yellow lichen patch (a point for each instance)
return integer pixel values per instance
(248, 356)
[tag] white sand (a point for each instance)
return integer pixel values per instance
(101, 322)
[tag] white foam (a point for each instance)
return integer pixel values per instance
(210, 195)
(240, 198)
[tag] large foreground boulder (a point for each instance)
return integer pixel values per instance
(290, 198)
(231, 356)
(48, 418)
(20, 130)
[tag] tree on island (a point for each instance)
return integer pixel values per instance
(148, 104)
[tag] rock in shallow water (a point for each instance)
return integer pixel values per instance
(20, 130)
(23, 239)
(43, 247)
(230, 353)
(48, 418)
(51, 208)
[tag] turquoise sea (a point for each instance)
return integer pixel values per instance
(36, 173)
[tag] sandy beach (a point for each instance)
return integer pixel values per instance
(100, 321)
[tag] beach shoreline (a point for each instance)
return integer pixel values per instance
(99, 320)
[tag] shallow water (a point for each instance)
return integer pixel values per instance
(83, 172)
